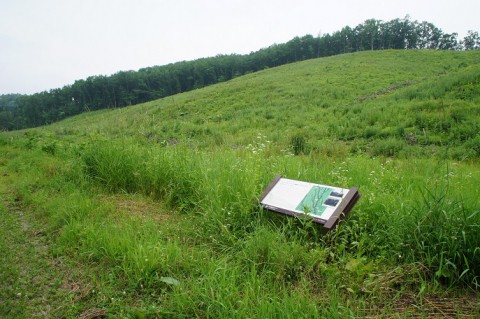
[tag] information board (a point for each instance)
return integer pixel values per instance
(323, 203)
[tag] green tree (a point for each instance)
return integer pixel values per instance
(368, 34)
(428, 35)
(471, 41)
(449, 42)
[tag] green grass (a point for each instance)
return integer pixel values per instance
(358, 99)
(153, 209)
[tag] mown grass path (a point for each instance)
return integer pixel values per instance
(31, 279)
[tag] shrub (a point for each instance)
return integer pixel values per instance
(389, 147)
(370, 132)
(474, 145)
(50, 148)
(298, 144)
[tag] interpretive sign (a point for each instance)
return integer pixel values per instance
(325, 204)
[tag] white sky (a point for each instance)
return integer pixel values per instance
(46, 44)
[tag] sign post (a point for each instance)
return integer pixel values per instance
(325, 204)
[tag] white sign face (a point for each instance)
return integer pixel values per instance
(318, 201)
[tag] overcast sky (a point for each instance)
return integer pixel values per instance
(46, 44)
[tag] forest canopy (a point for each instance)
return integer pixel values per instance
(132, 87)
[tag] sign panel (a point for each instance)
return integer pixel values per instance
(325, 204)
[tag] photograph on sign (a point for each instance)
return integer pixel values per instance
(323, 203)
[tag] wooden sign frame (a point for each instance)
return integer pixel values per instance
(328, 204)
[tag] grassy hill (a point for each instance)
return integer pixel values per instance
(152, 210)
(366, 102)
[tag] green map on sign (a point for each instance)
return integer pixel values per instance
(312, 203)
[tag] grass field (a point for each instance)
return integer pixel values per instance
(152, 210)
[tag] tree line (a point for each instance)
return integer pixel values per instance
(132, 87)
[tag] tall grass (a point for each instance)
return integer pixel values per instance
(446, 237)
(390, 222)
(209, 250)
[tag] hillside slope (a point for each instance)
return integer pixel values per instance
(381, 102)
